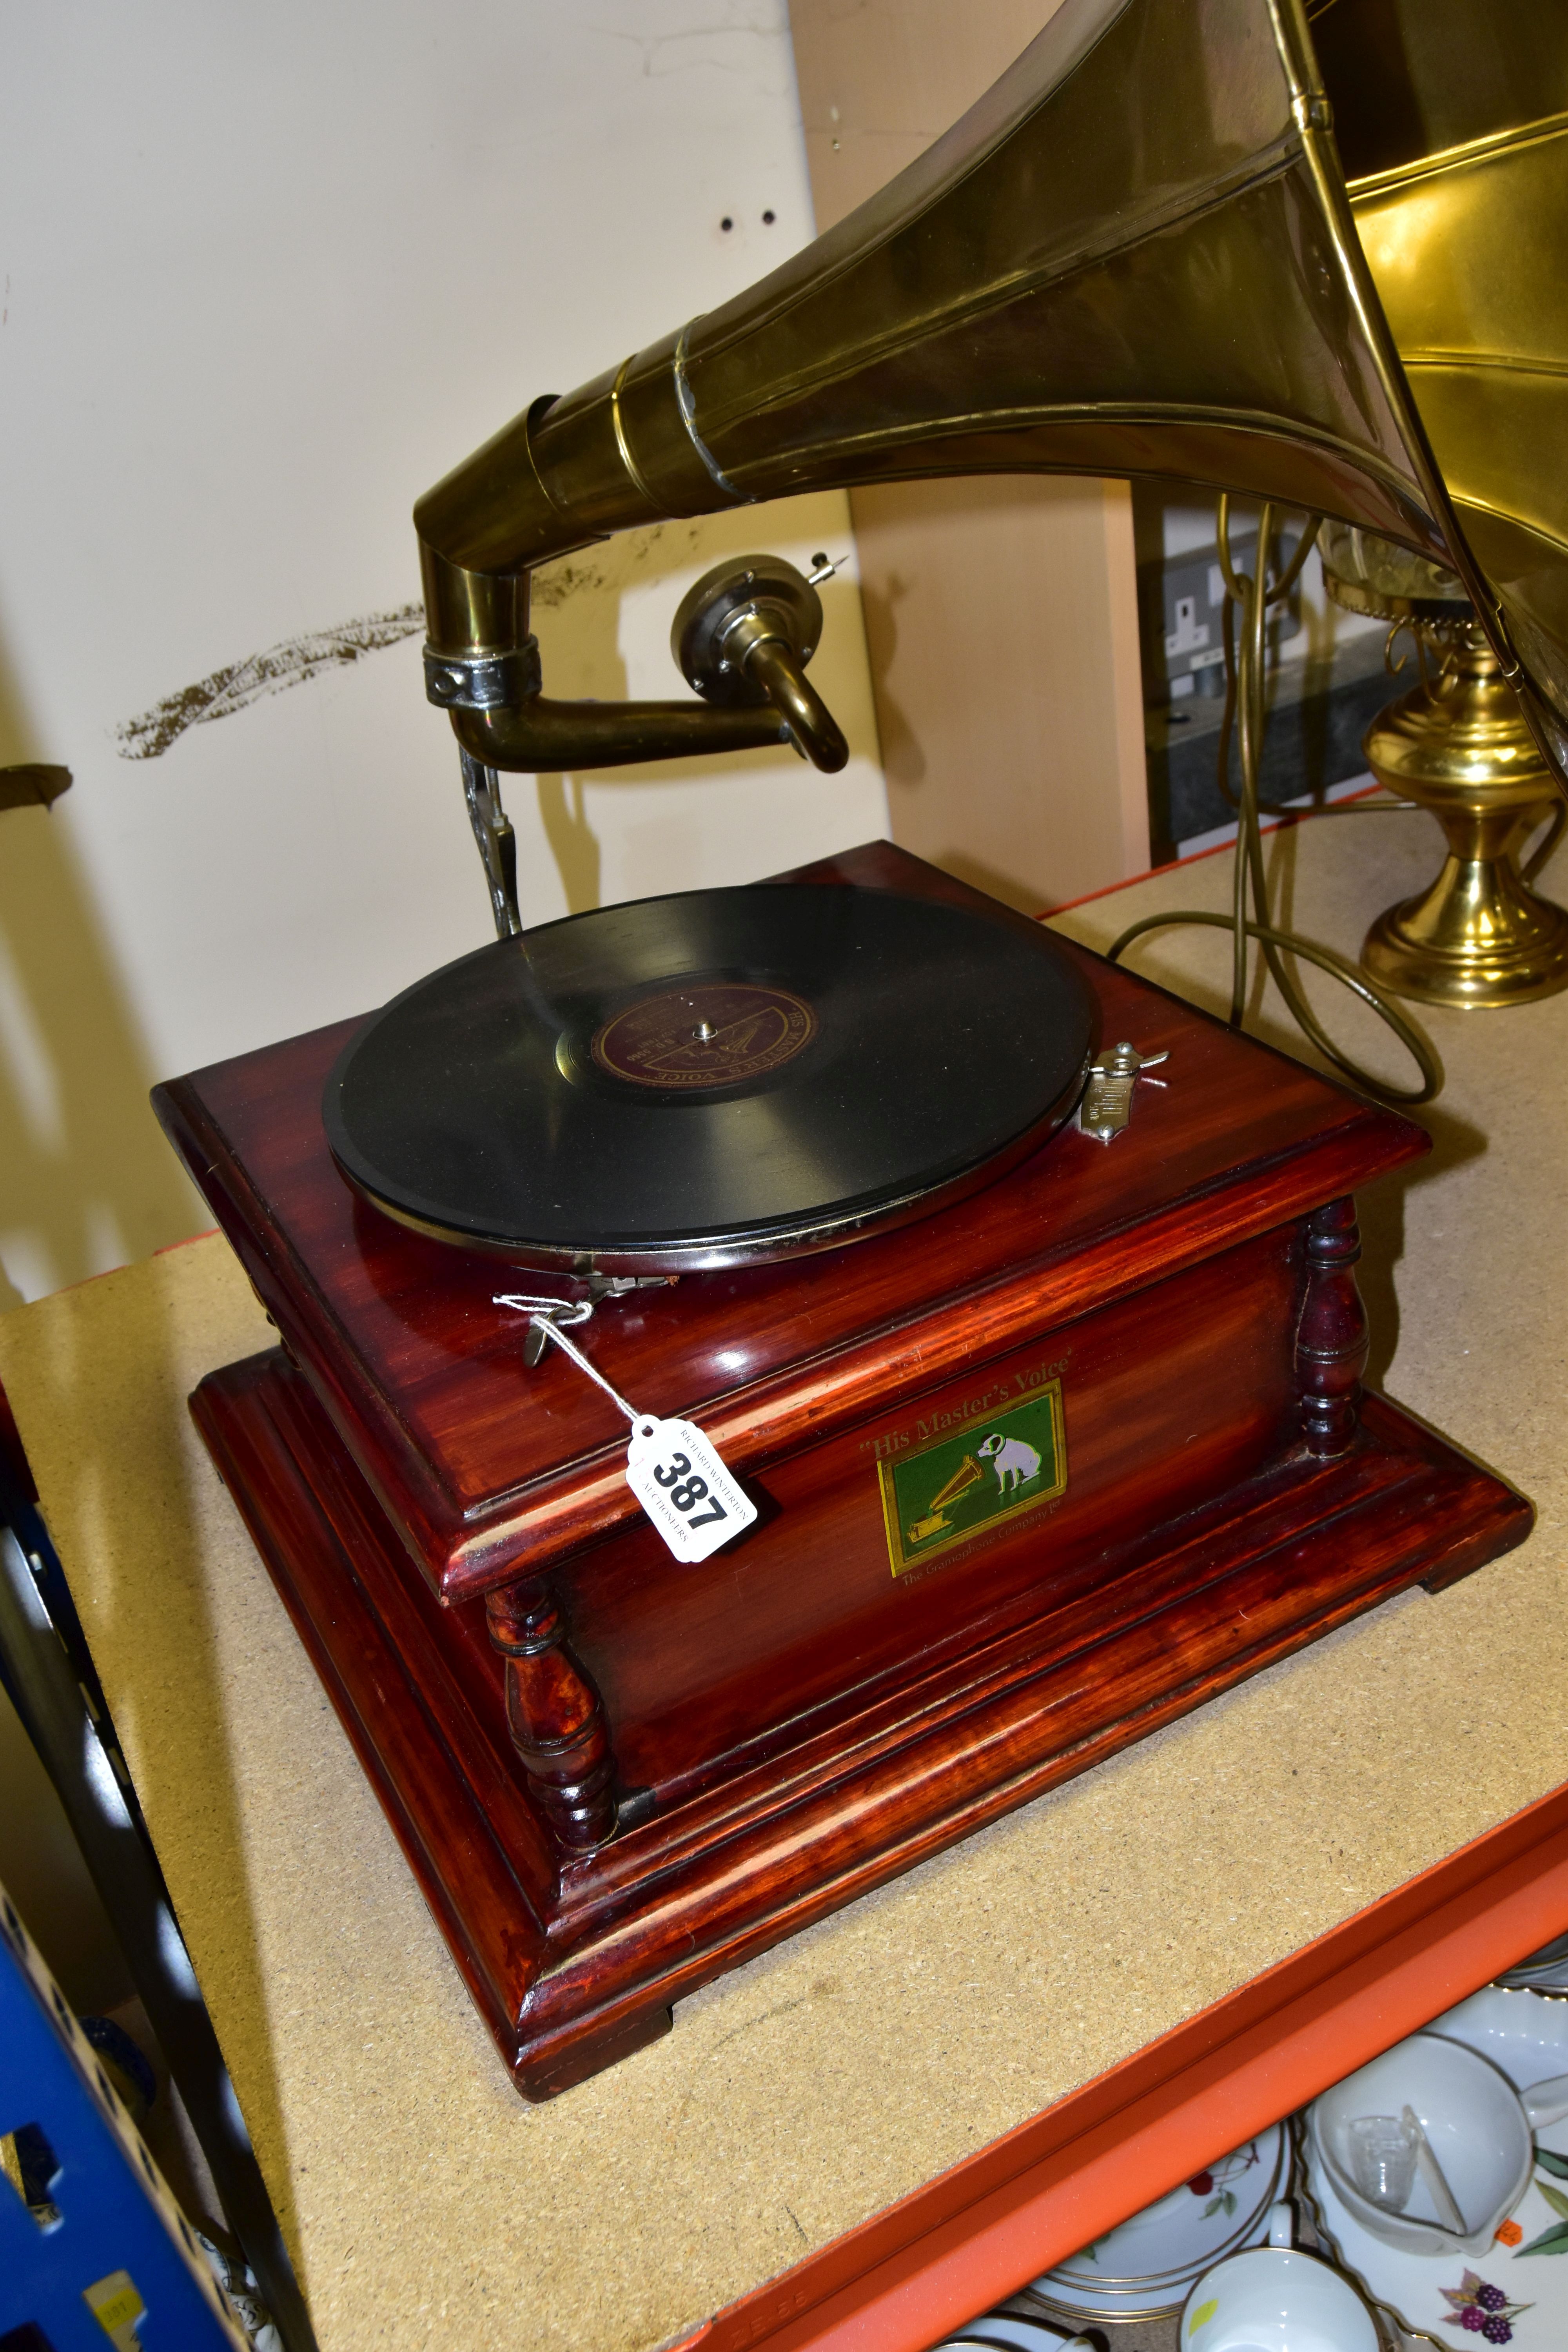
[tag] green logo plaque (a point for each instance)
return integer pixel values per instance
(997, 1466)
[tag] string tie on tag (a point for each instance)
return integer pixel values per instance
(675, 1472)
(546, 1317)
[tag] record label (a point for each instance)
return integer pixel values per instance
(711, 1034)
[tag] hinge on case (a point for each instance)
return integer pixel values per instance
(1107, 1104)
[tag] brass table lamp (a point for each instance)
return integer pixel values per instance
(1458, 744)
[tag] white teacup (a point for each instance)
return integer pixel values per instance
(1276, 2300)
(1473, 2124)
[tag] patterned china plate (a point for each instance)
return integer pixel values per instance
(1144, 2266)
(1517, 2293)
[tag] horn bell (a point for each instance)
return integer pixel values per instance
(1137, 255)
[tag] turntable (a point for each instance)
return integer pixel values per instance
(712, 1079)
(1038, 1407)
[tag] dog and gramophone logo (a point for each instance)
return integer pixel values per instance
(996, 1466)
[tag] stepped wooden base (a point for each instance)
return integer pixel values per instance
(576, 1973)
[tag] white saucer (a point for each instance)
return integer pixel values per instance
(1416, 2289)
(1145, 2267)
(1003, 2327)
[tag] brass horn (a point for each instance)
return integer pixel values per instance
(1137, 255)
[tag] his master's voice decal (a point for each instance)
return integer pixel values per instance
(994, 1469)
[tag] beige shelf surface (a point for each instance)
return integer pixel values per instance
(424, 2203)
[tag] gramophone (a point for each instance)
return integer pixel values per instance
(1014, 1298)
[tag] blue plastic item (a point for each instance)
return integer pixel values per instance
(93, 2248)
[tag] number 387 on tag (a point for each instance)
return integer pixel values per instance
(679, 1478)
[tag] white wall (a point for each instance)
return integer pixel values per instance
(268, 273)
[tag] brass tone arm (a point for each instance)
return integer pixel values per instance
(808, 724)
(743, 634)
(539, 737)
(742, 638)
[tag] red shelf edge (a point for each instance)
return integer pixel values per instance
(973, 2235)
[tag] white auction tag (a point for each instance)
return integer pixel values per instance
(671, 1468)
(677, 1477)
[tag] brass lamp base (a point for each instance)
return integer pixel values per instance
(1459, 746)
(1429, 947)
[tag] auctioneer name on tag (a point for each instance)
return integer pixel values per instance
(682, 1484)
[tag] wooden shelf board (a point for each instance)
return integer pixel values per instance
(978, 2233)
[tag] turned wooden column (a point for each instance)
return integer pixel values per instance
(1331, 1336)
(554, 1715)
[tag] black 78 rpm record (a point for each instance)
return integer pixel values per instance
(722, 1075)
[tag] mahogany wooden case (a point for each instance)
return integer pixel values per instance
(616, 1777)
